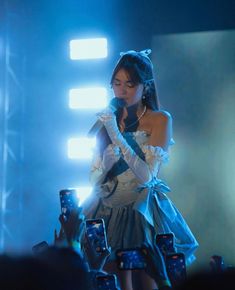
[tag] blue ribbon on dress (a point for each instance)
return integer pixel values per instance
(156, 185)
(156, 189)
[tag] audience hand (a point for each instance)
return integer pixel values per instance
(72, 229)
(95, 259)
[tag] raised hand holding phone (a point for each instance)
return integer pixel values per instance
(176, 268)
(73, 227)
(96, 233)
(165, 243)
(68, 201)
(71, 220)
(96, 246)
(175, 262)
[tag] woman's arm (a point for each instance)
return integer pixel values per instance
(161, 130)
(101, 164)
(97, 174)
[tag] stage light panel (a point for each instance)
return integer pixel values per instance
(88, 98)
(83, 192)
(81, 148)
(90, 48)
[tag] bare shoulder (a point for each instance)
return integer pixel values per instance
(160, 128)
(160, 117)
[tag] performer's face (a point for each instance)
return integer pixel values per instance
(125, 89)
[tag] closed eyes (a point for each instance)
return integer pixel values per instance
(129, 84)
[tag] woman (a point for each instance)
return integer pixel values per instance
(131, 148)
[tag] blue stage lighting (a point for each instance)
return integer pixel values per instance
(81, 148)
(83, 192)
(88, 48)
(88, 98)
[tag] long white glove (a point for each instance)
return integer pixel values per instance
(146, 170)
(101, 165)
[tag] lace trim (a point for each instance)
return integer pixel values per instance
(145, 133)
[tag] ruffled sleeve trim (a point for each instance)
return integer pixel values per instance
(157, 152)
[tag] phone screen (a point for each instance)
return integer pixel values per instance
(165, 243)
(176, 268)
(128, 259)
(40, 247)
(68, 201)
(95, 229)
(106, 282)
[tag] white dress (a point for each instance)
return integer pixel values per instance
(135, 213)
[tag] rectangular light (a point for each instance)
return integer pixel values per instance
(81, 148)
(88, 98)
(90, 48)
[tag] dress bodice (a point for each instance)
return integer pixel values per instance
(128, 184)
(141, 137)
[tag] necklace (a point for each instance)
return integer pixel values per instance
(142, 114)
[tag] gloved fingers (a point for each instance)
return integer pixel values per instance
(105, 115)
(112, 150)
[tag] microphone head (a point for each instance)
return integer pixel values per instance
(117, 103)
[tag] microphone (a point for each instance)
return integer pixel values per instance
(114, 104)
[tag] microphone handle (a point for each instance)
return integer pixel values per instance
(95, 129)
(114, 105)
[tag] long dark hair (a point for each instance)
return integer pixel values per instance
(140, 71)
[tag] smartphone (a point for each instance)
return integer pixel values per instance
(165, 243)
(68, 201)
(217, 263)
(96, 233)
(130, 259)
(176, 268)
(106, 282)
(40, 247)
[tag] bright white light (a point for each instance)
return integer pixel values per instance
(88, 98)
(88, 48)
(81, 148)
(83, 192)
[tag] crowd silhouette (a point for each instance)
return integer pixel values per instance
(73, 263)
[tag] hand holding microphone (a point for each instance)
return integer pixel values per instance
(113, 106)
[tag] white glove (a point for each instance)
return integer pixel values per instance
(101, 165)
(111, 155)
(145, 171)
(154, 157)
